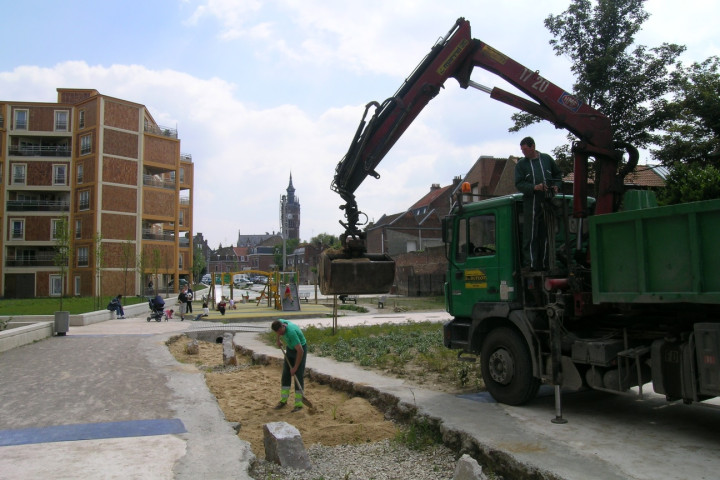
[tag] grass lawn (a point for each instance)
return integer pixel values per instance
(74, 305)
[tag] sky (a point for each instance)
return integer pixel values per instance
(262, 89)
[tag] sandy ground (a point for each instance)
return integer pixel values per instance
(247, 394)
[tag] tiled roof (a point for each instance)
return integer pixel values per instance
(642, 176)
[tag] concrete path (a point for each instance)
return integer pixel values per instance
(109, 401)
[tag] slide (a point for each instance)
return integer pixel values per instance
(290, 300)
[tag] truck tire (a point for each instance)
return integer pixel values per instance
(507, 367)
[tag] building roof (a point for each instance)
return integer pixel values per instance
(642, 176)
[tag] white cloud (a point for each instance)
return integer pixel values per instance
(279, 86)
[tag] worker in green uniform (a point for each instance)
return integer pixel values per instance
(296, 355)
(537, 177)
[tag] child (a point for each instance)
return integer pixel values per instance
(206, 310)
(168, 314)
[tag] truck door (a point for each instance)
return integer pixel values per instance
(475, 272)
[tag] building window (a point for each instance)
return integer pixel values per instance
(180, 261)
(78, 228)
(54, 229)
(77, 286)
(21, 119)
(81, 119)
(61, 120)
(85, 144)
(18, 229)
(84, 200)
(181, 218)
(18, 177)
(55, 285)
(182, 175)
(59, 174)
(80, 174)
(82, 257)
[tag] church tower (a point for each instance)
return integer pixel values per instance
(290, 213)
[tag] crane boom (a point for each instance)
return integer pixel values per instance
(455, 56)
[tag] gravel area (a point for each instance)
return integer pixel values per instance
(384, 460)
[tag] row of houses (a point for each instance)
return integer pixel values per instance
(412, 237)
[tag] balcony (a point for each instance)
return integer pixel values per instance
(160, 130)
(155, 181)
(38, 206)
(160, 236)
(40, 150)
(40, 259)
(186, 157)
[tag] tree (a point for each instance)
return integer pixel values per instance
(128, 259)
(155, 262)
(141, 262)
(597, 36)
(325, 240)
(690, 183)
(98, 266)
(198, 263)
(692, 128)
(63, 252)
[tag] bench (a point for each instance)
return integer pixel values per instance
(348, 298)
(305, 297)
(381, 301)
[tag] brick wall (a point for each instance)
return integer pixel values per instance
(162, 150)
(118, 227)
(121, 115)
(119, 199)
(122, 144)
(118, 170)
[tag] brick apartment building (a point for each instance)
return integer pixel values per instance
(119, 179)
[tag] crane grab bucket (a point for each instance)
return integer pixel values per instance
(342, 274)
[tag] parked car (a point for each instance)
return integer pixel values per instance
(206, 279)
(182, 283)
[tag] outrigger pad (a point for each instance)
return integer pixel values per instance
(371, 273)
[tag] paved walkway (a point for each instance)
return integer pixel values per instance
(109, 401)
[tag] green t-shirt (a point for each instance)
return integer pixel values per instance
(293, 335)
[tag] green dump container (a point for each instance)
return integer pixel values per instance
(657, 255)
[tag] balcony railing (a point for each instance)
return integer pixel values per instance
(160, 130)
(40, 151)
(37, 260)
(184, 200)
(163, 236)
(153, 181)
(38, 205)
(186, 157)
(184, 242)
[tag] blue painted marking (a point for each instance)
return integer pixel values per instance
(91, 431)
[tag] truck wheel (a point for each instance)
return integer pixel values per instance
(507, 367)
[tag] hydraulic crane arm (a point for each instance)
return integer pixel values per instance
(455, 56)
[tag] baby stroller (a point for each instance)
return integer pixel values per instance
(157, 309)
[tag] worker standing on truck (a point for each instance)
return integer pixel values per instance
(296, 356)
(536, 177)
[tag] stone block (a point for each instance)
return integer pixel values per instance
(467, 468)
(228, 346)
(284, 446)
(192, 347)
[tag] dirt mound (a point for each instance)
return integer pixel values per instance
(247, 394)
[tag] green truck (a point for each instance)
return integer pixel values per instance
(639, 301)
(631, 291)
